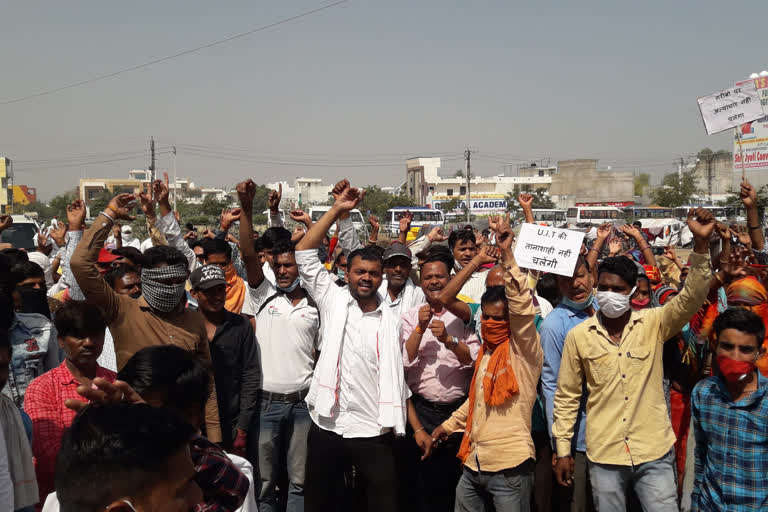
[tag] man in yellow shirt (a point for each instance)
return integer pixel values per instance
(618, 353)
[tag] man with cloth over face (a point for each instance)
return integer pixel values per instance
(159, 316)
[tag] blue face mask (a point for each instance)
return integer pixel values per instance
(289, 289)
(340, 273)
(578, 306)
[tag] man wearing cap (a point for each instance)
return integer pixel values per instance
(236, 365)
(288, 334)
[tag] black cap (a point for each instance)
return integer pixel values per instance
(397, 249)
(206, 277)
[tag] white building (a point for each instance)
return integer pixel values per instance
(487, 193)
(303, 191)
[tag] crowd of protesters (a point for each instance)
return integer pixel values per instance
(295, 371)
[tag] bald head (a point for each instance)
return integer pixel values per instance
(495, 277)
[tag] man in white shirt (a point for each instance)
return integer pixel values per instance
(288, 334)
(358, 396)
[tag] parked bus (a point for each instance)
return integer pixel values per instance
(649, 212)
(421, 216)
(720, 213)
(593, 215)
(547, 217)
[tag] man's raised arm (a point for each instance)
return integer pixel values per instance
(86, 255)
(246, 191)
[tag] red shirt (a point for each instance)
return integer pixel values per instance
(44, 403)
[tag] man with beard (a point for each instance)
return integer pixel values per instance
(288, 334)
(439, 353)
(398, 291)
(358, 397)
(159, 316)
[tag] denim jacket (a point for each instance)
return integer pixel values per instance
(34, 351)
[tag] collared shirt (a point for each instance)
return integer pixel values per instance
(356, 411)
(731, 447)
(50, 418)
(237, 370)
(436, 373)
(34, 351)
(288, 337)
(552, 333)
(627, 418)
(473, 288)
(501, 436)
(132, 322)
(359, 383)
(224, 486)
(108, 359)
(410, 295)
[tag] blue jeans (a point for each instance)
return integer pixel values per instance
(283, 431)
(654, 484)
(508, 490)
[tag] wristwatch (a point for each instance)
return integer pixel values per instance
(454, 343)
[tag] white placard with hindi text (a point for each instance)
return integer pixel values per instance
(548, 249)
(730, 108)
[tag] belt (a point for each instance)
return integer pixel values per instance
(289, 398)
(438, 406)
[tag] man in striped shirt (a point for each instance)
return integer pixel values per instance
(730, 418)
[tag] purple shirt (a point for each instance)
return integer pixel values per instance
(436, 373)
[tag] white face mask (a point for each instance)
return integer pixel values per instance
(613, 304)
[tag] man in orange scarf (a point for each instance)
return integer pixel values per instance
(497, 448)
(218, 252)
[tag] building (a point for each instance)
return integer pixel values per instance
(6, 179)
(24, 195)
(487, 194)
(303, 192)
(579, 182)
(568, 183)
(94, 188)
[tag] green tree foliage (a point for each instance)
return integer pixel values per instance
(541, 198)
(676, 191)
(642, 182)
(377, 202)
(450, 205)
(459, 173)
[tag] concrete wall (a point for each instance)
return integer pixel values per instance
(722, 175)
(579, 181)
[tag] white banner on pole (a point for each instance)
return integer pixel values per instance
(548, 249)
(730, 108)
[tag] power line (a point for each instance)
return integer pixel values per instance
(169, 57)
(79, 164)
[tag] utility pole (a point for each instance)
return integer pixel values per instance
(152, 162)
(467, 164)
(174, 178)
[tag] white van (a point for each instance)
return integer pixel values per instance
(21, 233)
(361, 226)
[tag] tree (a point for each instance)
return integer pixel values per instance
(541, 199)
(459, 173)
(377, 202)
(642, 182)
(450, 205)
(676, 191)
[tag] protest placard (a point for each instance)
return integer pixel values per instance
(730, 108)
(549, 249)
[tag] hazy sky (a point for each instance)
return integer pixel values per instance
(353, 90)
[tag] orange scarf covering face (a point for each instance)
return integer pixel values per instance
(499, 382)
(236, 290)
